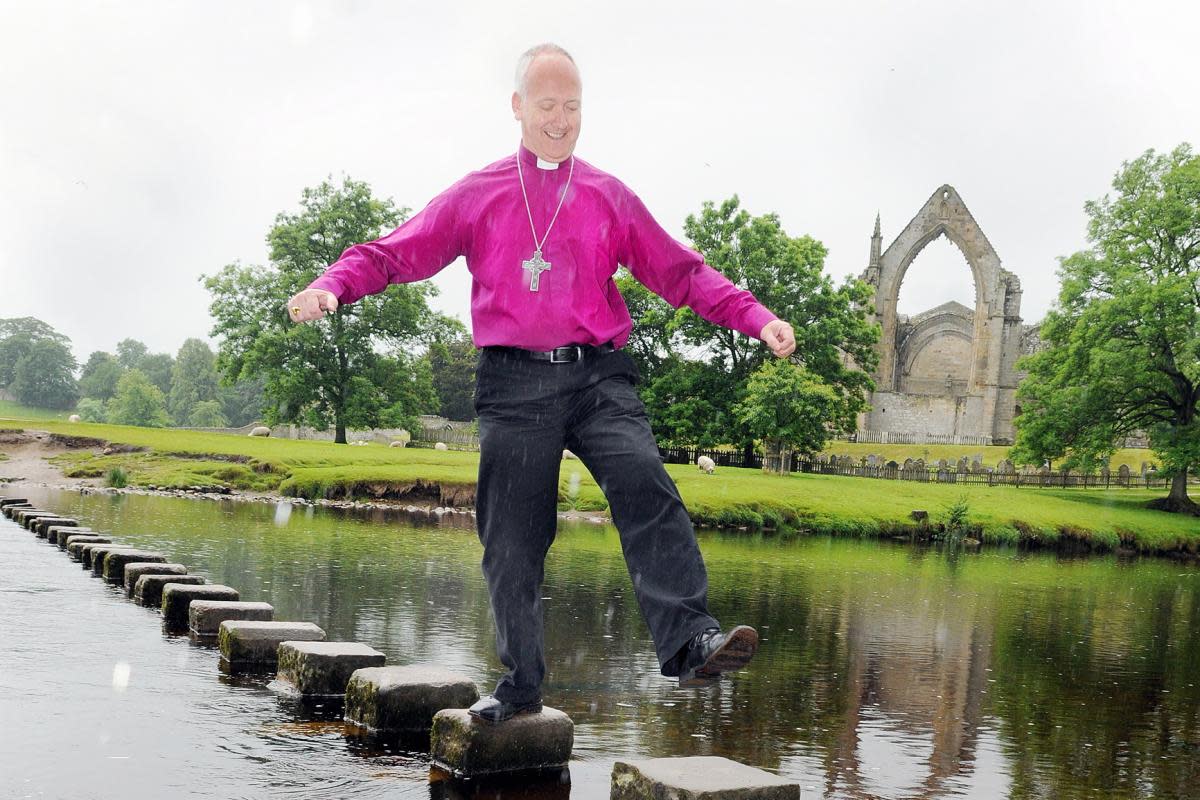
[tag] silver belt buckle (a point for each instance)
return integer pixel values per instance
(554, 353)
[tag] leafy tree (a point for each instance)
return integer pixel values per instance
(90, 409)
(194, 379)
(158, 367)
(452, 363)
(206, 414)
(130, 353)
(18, 335)
(99, 376)
(1122, 345)
(138, 402)
(834, 340)
(789, 408)
(325, 373)
(45, 376)
(241, 403)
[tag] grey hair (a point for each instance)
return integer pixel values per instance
(527, 58)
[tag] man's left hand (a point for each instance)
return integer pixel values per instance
(780, 337)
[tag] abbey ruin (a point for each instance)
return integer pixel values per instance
(947, 375)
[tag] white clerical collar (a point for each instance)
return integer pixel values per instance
(543, 164)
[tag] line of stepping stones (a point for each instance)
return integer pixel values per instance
(395, 700)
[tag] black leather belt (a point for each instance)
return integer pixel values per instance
(567, 354)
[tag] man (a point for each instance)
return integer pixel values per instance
(543, 233)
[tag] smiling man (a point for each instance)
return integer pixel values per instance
(543, 233)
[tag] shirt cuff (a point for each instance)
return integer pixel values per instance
(331, 284)
(754, 320)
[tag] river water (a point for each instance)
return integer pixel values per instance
(885, 670)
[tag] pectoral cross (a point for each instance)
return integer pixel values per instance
(536, 266)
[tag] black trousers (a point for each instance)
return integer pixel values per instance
(528, 412)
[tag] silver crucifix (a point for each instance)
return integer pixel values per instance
(536, 266)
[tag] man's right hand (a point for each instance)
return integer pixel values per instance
(311, 304)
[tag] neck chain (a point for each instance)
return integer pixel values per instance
(536, 265)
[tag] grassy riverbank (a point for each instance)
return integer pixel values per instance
(1094, 519)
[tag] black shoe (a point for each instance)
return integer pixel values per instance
(711, 653)
(489, 709)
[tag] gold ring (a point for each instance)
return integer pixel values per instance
(295, 311)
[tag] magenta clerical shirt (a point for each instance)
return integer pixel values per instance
(602, 224)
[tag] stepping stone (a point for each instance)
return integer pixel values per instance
(93, 555)
(26, 516)
(324, 668)
(137, 569)
(467, 747)
(12, 501)
(177, 596)
(255, 644)
(100, 554)
(75, 544)
(205, 616)
(113, 570)
(401, 699)
(10, 511)
(148, 591)
(41, 525)
(697, 778)
(59, 533)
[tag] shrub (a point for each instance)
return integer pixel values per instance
(116, 478)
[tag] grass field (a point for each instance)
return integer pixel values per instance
(1099, 519)
(15, 411)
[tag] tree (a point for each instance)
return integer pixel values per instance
(205, 414)
(194, 379)
(158, 367)
(45, 376)
(241, 403)
(789, 408)
(90, 409)
(324, 373)
(138, 402)
(99, 376)
(17, 337)
(130, 353)
(452, 364)
(834, 340)
(1122, 345)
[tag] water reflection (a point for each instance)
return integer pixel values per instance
(884, 671)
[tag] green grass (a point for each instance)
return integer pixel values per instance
(993, 455)
(10, 410)
(1092, 518)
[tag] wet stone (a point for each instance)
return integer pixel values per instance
(93, 555)
(467, 747)
(247, 643)
(148, 591)
(697, 778)
(75, 544)
(41, 525)
(12, 501)
(401, 699)
(57, 534)
(113, 569)
(11, 511)
(100, 554)
(137, 569)
(205, 616)
(26, 516)
(324, 668)
(177, 596)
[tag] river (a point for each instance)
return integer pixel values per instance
(886, 670)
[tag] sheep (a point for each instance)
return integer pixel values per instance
(261, 430)
(440, 446)
(706, 465)
(74, 418)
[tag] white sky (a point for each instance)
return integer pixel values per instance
(143, 144)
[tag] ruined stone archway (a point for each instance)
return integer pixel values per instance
(982, 408)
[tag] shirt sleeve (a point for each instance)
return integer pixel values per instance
(680, 276)
(418, 249)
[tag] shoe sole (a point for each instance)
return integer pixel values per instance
(529, 710)
(734, 653)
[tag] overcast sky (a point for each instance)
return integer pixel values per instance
(145, 144)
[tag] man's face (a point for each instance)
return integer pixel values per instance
(550, 110)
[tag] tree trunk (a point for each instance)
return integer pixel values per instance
(1177, 500)
(778, 459)
(748, 453)
(339, 431)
